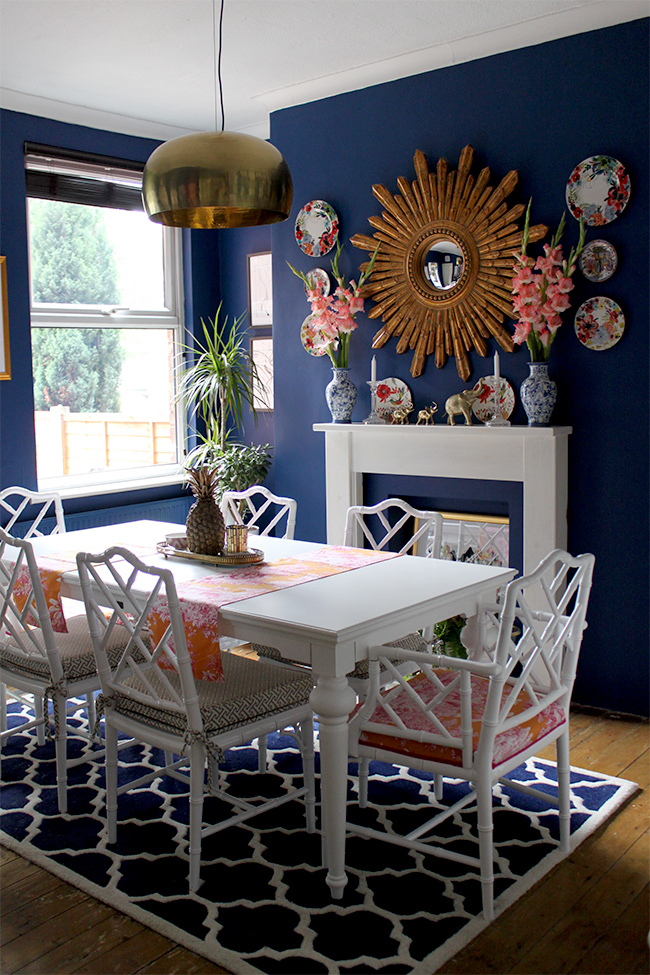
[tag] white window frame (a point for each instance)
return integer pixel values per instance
(107, 316)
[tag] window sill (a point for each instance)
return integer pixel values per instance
(85, 489)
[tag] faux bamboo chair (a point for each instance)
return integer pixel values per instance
(27, 509)
(22, 513)
(37, 661)
(167, 708)
(478, 721)
(423, 536)
(258, 500)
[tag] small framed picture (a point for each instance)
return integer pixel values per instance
(260, 290)
(5, 364)
(262, 356)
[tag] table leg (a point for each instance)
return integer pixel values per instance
(333, 699)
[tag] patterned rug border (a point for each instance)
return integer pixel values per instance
(225, 957)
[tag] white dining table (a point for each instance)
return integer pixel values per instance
(329, 623)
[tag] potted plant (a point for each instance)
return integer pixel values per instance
(216, 388)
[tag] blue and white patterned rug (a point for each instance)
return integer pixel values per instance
(263, 905)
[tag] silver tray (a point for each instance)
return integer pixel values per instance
(253, 556)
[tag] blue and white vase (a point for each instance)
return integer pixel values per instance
(341, 395)
(538, 395)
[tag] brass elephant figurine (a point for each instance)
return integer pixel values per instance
(426, 415)
(401, 414)
(462, 403)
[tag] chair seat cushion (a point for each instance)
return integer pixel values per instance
(506, 744)
(252, 690)
(75, 651)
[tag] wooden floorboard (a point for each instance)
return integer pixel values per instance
(589, 916)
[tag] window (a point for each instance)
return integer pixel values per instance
(106, 300)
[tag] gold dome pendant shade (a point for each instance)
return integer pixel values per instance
(217, 180)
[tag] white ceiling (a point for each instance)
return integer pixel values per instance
(146, 67)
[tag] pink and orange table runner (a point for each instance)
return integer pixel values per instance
(202, 598)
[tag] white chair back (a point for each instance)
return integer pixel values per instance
(31, 507)
(117, 579)
(373, 522)
(258, 501)
(25, 624)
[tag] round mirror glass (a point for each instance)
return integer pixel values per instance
(443, 265)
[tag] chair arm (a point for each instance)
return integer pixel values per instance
(482, 669)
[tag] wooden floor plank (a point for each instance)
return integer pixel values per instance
(598, 911)
(17, 895)
(624, 947)
(180, 961)
(39, 939)
(129, 957)
(86, 947)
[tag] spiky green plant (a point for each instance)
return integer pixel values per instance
(221, 381)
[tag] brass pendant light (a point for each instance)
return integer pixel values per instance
(217, 180)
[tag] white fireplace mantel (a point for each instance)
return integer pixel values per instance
(533, 456)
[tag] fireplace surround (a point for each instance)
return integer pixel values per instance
(534, 456)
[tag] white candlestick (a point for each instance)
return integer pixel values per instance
(373, 369)
(497, 375)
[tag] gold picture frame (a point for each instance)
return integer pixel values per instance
(5, 361)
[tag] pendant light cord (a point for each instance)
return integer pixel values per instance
(218, 84)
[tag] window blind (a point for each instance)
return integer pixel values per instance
(82, 177)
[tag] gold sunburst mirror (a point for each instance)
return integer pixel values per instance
(442, 279)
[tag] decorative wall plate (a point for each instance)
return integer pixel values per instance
(598, 260)
(318, 279)
(483, 407)
(392, 393)
(307, 333)
(599, 323)
(317, 228)
(598, 190)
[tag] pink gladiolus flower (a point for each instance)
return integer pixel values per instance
(555, 255)
(356, 304)
(529, 313)
(553, 322)
(564, 285)
(559, 302)
(544, 264)
(523, 276)
(319, 303)
(527, 291)
(544, 337)
(522, 331)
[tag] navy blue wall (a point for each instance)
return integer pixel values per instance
(541, 111)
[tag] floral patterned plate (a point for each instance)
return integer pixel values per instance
(392, 393)
(599, 323)
(483, 407)
(598, 260)
(598, 190)
(317, 228)
(307, 333)
(318, 279)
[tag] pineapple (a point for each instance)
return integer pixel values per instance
(204, 526)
